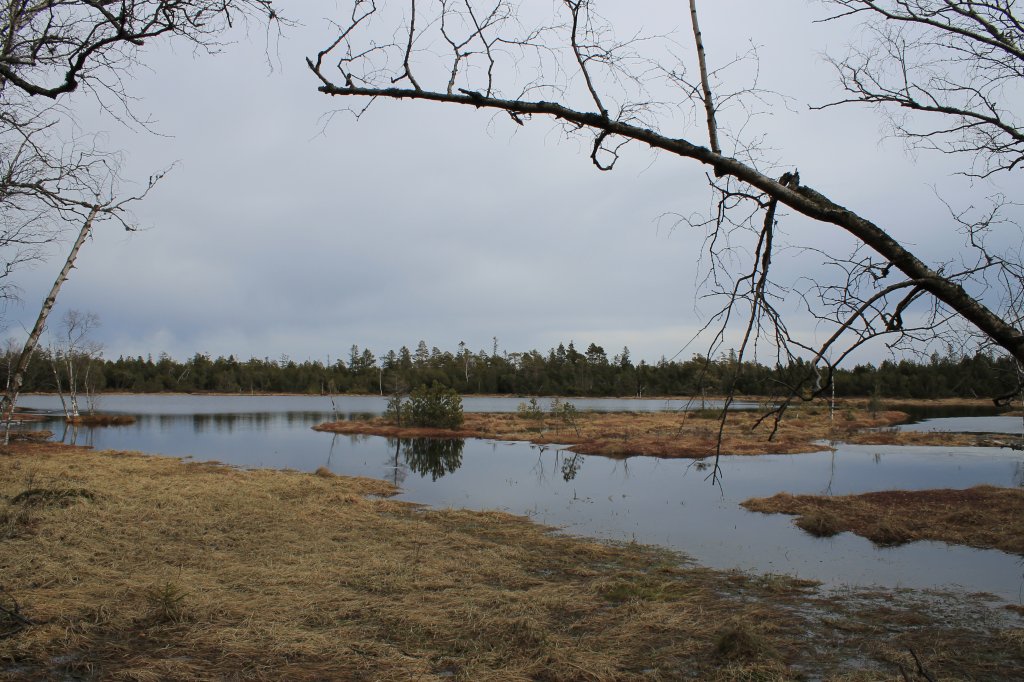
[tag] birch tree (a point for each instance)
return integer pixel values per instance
(51, 184)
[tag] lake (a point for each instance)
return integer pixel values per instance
(664, 502)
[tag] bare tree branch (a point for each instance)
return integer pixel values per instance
(709, 102)
(572, 69)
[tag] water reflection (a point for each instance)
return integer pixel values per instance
(665, 502)
(73, 434)
(571, 466)
(433, 456)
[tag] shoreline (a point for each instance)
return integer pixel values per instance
(129, 565)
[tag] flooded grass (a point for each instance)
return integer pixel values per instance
(141, 567)
(984, 516)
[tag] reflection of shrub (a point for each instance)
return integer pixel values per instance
(571, 466)
(434, 456)
(436, 406)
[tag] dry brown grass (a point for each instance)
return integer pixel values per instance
(983, 516)
(147, 568)
(140, 567)
(657, 434)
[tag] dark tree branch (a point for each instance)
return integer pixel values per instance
(801, 198)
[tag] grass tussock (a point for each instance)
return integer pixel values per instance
(185, 571)
(324, 472)
(983, 516)
(820, 524)
(658, 434)
(740, 641)
(56, 496)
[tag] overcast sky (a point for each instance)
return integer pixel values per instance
(282, 233)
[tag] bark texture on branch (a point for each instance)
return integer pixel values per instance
(709, 102)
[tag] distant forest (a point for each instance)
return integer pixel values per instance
(561, 371)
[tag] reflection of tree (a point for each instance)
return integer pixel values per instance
(398, 470)
(434, 456)
(571, 466)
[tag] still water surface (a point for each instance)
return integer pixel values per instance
(665, 502)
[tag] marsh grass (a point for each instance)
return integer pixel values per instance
(195, 571)
(740, 641)
(820, 524)
(983, 516)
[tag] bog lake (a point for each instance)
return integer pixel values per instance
(671, 503)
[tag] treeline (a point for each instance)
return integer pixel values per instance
(561, 371)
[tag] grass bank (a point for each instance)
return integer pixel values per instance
(984, 516)
(675, 434)
(123, 566)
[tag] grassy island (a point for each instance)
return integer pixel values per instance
(676, 434)
(984, 516)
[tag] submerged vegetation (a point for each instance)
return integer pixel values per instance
(983, 516)
(123, 566)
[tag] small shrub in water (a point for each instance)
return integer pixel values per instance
(436, 407)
